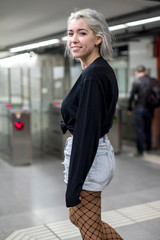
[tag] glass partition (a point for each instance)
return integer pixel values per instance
(25, 87)
(4, 88)
(120, 66)
(58, 71)
(36, 120)
(75, 71)
(46, 97)
(16, 85)
(4, 101)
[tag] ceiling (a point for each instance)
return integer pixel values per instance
(24, 21)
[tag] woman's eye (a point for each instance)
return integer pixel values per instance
(70, 34)
(82, 33)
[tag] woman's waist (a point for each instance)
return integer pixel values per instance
(103, 139)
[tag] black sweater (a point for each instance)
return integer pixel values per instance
(88, 112)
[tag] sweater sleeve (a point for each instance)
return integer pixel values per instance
(132, 94)
(86, 138)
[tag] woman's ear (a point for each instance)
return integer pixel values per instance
(98, 40)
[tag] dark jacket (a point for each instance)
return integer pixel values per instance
(139, 93)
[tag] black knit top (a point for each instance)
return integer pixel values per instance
(88, 112)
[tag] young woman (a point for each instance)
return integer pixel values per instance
(88, 112)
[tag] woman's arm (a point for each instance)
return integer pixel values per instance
(86, 137)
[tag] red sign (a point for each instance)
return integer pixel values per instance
(19, 125)
(8, 105)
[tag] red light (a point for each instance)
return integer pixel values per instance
(19, 125)
(8, 105)
(56, 104)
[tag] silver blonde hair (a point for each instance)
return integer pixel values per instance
(99, 26)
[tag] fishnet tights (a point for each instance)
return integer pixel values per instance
(87, 217)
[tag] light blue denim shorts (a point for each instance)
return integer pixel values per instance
(102, 169)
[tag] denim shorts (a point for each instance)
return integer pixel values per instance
(102, 169)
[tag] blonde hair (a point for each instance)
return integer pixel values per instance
(99, 26)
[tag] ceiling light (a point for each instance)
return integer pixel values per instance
(143, 21)
(117, 27)
(64, 38)
(134, 23)
(35, 45)
(18, 60)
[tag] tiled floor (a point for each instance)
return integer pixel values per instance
(117, 218)
(32, 199)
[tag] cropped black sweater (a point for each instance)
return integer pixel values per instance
(88, 112)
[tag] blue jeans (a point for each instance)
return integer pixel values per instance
(143, 122)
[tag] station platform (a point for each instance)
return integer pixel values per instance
(32, 199)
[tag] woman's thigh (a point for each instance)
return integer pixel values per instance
(87, 215)
(89, 208)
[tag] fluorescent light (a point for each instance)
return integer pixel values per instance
(18, 60)
(35, 45)
(143, 21)
(134, 23)
(64, 38)
(117, 27)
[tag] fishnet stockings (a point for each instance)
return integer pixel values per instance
(87, 217)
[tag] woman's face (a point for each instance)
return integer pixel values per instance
(82, 42)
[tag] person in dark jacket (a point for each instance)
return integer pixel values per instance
(88, 112)
(143, 115)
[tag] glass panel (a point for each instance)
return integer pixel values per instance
(121, 73)
(120, 66)
(5, 147)
(75, 71)
(58, 72)
(35, 79)
(4, 129)
(25, 82)
(46, 93)
(4, 93)
(15, 76)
